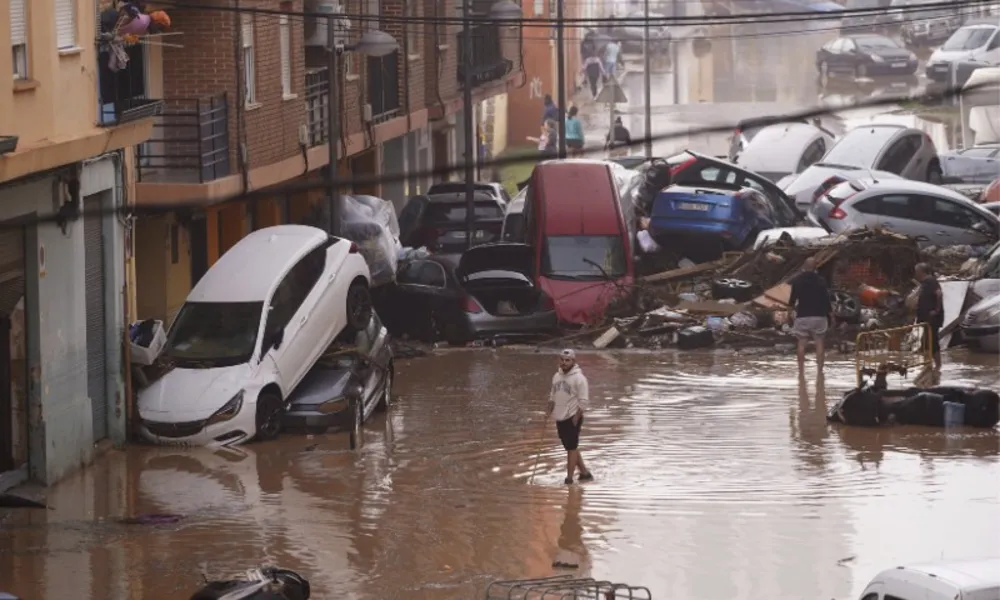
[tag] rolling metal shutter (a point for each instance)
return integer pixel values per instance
(18, 27)
(97, 387)
(11, 269)
(65, 23)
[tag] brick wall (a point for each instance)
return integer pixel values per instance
(206, 66)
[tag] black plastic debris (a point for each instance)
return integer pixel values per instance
(694, 338)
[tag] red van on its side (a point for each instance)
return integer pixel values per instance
(583, 251)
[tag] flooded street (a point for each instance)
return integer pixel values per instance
(716, 478)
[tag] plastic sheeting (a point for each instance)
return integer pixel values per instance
(371, 223)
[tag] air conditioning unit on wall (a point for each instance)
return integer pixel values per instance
(315, 28)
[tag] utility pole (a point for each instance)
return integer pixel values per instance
(646, 80)
(561, 73)
(673, 53)
(469, 122)
(332, 127)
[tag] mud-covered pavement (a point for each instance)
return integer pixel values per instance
(716, 478)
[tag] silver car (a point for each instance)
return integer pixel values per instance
(933, 215)
(781, 150)
(903, 151)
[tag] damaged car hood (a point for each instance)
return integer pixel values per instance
(191, 394)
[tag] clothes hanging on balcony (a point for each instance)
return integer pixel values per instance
(124, 24)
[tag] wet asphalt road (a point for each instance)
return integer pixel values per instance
(716, 478)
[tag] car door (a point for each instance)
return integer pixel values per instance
(901, 213)
(784, 214)
(422, 289)
(954, 224)
(283, 332)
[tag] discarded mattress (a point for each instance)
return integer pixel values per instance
(934, 407)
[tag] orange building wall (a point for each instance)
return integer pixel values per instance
(524, 104)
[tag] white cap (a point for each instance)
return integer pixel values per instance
(568, 353)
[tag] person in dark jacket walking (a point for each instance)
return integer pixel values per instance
(810, 299)
(930, 308)
(550, 112)
(619, 139)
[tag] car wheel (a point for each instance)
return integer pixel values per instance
(268, 419)
(359, 307)
(385, 402)
(860, 72)
(934, 174)
(736, 289)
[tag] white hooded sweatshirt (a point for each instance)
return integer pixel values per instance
(569, 393)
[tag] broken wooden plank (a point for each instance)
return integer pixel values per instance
(687, 271)
(709, 307)
(606, 338)
(775, 297)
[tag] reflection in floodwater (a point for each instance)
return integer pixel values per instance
(717, 477)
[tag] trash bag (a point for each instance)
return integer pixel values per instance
(371, 223)
(924, 408)
(859, 407)
(982, 408)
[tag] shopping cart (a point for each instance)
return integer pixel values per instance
(564, 587)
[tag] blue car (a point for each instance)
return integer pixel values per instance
(704, 221)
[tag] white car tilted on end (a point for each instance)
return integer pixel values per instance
(248, 333)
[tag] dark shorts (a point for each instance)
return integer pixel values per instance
(574, 144)
(569, 434)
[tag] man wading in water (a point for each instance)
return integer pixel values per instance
(810, 298)
(567, 402)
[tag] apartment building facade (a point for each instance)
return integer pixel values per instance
(65, 154)
(252, 82)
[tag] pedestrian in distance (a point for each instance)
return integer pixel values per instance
(930, 309)
(574, 132)
(568, 400)
(810, 299)
(550, 112)
(593, 68)
(618, 140)
(611, 57)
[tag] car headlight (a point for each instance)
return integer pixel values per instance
(877, 58)
(229, 410)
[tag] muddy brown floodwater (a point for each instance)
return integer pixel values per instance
(716, 478)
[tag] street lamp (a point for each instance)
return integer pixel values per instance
(501, 10)
(374, 43)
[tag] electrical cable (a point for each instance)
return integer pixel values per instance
(597, 149)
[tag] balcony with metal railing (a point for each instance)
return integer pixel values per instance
(383, 87)
(317, 103)
(121, 91)
(486, 60)
(190, 142)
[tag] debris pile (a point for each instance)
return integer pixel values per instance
(741, 300)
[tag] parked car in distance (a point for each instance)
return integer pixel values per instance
(513, 219)
(966, 580)
(360, 371)
(902, 151)
(932, 214)
(867, 18)
(460, 298)
(976, 164)
(438, 222)
(922, 26)
(975, 42)
(458, 187)
(693, 169)
(864, 56)
(250, 330)
(981, 325)
(583, 248)
(704, 221)
(781, 150)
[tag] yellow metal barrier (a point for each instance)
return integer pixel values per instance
(901, 349)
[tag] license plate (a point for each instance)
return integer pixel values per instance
(693, 206)
(941, 68)
(477, 235)
(898, 65)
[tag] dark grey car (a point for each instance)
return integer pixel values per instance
(345, 372)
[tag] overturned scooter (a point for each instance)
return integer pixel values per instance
(265, 583)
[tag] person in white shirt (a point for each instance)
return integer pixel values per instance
(568, 400)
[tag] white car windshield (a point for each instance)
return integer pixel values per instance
(969, 38)
(214, 334)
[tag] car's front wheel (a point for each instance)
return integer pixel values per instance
(268, 419)
(358, 306)
(385, 402)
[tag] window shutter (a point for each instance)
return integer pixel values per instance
(285, 41)
(246, 32)
(65, 23)
(18, 27)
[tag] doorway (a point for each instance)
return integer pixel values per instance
(198, 243)
(13, 353)
(441, 158)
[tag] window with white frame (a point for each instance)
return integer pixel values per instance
(66, 24)
(19, 38)
(285, 41)
(249, 61)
